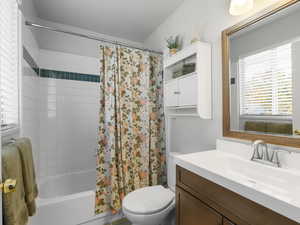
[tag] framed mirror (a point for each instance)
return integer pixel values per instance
(261, 76)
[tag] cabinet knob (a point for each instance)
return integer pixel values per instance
(176, 92)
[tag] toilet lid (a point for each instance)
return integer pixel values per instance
(148, 200)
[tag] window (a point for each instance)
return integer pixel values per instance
(266, 82)
(9, 55)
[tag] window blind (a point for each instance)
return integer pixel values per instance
(266, 82)
(9, 64)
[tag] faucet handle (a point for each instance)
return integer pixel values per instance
(256, 154)
(275, 158)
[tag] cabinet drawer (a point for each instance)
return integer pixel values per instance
(238, 209)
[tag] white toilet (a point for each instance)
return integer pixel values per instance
(149, 205)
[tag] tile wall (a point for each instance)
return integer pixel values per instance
(68, 126)
(69, 106)
(59, 108)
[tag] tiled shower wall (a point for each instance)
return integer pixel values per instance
(60, 110)
(68, 125)
(68, 114)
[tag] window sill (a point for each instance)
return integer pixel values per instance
(10, 133)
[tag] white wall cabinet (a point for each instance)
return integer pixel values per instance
(187, 88)
(171, 93)
(192, 91)
(181, 92)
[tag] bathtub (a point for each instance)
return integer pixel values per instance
(68, 200)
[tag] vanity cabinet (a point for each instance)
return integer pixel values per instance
(202, 202)
(191, 211)
(227, 222)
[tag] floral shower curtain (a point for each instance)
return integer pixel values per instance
(131, 145)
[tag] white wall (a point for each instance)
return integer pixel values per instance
(58, 60)
(206, 19)
(28, 9)
(73, 44)
(30, 95)
(68, 115)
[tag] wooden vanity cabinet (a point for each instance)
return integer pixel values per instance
(191, 211)
(227, 222)
(202, 202)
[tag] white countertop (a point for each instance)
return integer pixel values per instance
(275, 188)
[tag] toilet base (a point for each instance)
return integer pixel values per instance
(159, 216)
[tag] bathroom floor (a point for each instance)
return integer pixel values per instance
(122, 221)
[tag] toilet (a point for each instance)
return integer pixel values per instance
(149, 205)
(153, 205)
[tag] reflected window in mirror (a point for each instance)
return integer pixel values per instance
(264, 87)
(266, 82)
(261, 76)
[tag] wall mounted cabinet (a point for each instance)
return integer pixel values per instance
(192, 90)
(181, 92)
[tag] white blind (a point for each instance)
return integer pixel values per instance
(266, 82)
(9, 64)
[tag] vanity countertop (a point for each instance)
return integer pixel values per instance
(275, 188)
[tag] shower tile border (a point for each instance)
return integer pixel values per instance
(63, 75)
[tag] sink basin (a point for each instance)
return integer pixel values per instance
(274, 188)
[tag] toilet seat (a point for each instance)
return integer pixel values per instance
(148, 200)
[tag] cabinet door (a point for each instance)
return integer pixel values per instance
(171, 93)
(188, 91)
(227, 222)
(191, 211)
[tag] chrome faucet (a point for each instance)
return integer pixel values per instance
(261, 154)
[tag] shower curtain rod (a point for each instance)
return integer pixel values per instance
(92, 37)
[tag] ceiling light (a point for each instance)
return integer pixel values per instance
(239, 7)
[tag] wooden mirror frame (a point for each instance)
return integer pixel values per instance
(268, 138)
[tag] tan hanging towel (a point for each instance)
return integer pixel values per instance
(30, 185)
(15, 211)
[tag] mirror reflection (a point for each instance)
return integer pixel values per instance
(264, 75)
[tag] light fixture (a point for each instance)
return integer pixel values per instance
(239, 7)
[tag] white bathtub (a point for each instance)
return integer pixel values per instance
(68, 200)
